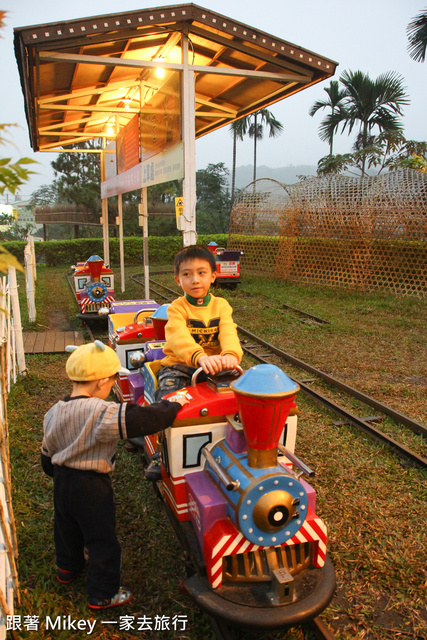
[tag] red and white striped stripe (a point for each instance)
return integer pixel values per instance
(86, 301)
(224, 540)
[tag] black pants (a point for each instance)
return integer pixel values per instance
(175, 377)
(85, 516)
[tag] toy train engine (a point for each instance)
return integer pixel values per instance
(263, 499)
(131, 324)
(227, 265)
(94, 287)
(233, 489)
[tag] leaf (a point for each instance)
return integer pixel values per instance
(8, 260)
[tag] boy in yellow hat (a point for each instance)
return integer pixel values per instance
(81, 433)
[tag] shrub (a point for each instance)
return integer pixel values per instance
(68, 252)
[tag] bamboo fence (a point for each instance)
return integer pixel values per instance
(11, 363)
(359, 233)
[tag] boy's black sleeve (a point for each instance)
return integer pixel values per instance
(47, 465)
(141, 421)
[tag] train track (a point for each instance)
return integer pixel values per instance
(364, 424)
(86, 324)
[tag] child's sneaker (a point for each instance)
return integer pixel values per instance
(123, 596)
(64, 576)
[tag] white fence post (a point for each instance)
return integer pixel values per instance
(30, 280)
(16, 320)
(33, 257)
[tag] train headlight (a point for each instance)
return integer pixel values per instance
(273, 511)
(136, 359)
(103, 312)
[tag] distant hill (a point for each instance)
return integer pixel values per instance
(286, 175)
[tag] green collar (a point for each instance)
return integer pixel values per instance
(199, 302)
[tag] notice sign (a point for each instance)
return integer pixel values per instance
(161, 119)
(127, 145)
(165, 166)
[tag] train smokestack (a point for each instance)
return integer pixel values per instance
(159, 319)
(265, 396)
(94, 264)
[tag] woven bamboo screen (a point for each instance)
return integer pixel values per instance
(364, 233)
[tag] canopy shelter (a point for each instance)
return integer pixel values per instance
(183, 70)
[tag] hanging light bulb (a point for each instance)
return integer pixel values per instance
(159, 71)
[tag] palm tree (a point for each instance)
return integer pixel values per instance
(417, 36)
(368, 104)
(238, 129)
(335, 97)
(256, 129)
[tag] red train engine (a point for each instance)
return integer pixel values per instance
(94, 288)
(227, 265)
(234, 492)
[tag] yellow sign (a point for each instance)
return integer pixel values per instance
(179, 209)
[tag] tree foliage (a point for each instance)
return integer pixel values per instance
(256, 129)
(333, 102)
(386, 151)
(78, 176)
(238, 129)
(371, 107)
(213, 199)
(253, 125)
(417, 36)
(13, 174)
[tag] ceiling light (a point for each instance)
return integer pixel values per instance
(159, 71)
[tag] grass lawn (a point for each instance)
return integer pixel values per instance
(375, 507)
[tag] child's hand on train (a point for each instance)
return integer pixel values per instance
(229, 362)
(182, 400)
(211, 364)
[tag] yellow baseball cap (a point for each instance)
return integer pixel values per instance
(92, 361)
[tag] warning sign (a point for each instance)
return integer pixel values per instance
(179, 209)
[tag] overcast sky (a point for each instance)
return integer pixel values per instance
(369, 35)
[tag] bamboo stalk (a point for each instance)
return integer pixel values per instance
(5, 456)
(10, 554)
(7, 612)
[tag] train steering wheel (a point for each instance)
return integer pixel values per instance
(138, 313)
(200, 369)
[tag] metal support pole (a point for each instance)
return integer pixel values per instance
(104, 218)
(122, 255)
(189, 235)
(143, 212)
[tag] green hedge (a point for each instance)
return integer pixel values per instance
(53, 252)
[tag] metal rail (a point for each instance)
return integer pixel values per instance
(400, 449)
(355, 393)
(321, 630)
